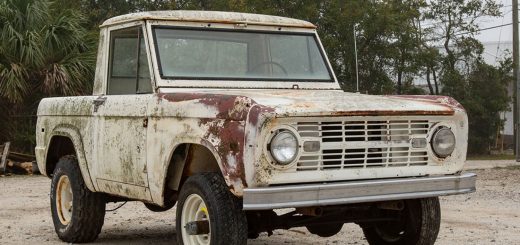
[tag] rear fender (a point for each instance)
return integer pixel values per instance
(74, 135)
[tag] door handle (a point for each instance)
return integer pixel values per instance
(99, 101)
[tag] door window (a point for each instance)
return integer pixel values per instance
(128, 67)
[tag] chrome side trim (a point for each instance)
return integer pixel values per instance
(324, 194)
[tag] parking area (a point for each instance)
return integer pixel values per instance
(489, 216)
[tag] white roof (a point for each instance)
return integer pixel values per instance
(211, 17)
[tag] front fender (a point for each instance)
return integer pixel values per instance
(223, 138)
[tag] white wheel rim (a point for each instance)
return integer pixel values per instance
(64, 200)
(194, 209)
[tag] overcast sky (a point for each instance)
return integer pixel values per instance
(499, 40)
(503, 34)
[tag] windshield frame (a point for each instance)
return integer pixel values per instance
(225, 82)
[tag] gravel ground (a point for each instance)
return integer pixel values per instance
(489, 216)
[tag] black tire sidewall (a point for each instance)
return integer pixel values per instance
(58, 225)
(427, 211)
(220, 204)
(88, 210)
(185, 192)
(326, 230)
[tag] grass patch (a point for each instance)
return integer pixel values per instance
(492, 157)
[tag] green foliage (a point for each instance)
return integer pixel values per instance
(484, 97)
(483, 93)
(456, 26)
(479, 87)
(44, 51)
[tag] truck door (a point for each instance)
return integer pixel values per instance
(122, 116)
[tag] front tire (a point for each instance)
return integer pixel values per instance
(206, 198)
(77, 213)
(419, 225)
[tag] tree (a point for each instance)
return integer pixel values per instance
(479, 87)
(44, 51)
(455, 25)
(485, 97)
(406, 43)
(430, 58)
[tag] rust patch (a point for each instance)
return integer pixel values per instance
(256, 111)
(226, 130)
(229, 146)
(228, 106)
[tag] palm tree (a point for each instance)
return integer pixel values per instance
(43, 50)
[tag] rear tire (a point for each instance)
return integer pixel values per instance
(419, 224)
(77, 213)
(206, 197)
(327, 230)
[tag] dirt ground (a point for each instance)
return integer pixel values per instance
(489, 216)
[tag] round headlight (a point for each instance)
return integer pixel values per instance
(284, 147)
(443, 142)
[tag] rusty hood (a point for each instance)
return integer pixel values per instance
(339, 103)
(320, 102)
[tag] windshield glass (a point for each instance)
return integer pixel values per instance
(239, 55)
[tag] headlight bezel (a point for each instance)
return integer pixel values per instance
(434, 138)
(268, 147)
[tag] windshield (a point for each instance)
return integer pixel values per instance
(239, 55)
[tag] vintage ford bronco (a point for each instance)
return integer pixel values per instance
(240, 121)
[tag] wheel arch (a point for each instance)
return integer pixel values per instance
(187, 159)
(66, 140)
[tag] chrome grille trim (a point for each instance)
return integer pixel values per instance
(347, 144)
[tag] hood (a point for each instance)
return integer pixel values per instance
(330, 102)
(339, 103)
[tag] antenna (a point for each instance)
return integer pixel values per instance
(355, 54)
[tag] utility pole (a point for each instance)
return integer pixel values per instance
(355, 54)
(516, 71)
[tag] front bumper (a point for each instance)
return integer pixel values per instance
(324, 194)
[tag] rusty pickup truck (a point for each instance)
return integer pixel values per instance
(240, 121)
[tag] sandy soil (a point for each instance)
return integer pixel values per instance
(489, 216)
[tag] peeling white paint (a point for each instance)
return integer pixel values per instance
(211, 17)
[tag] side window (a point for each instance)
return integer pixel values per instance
(128, 66)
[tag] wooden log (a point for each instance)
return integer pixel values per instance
(3, 159)
(25, 168)
(20, 157)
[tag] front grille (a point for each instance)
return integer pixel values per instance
(363, 144)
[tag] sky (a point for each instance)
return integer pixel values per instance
(498, 34)
(496, 41)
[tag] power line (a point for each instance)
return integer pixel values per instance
(475, 31)
(469, 17)
(483, 29)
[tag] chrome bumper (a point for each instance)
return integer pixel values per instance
(324, 194)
